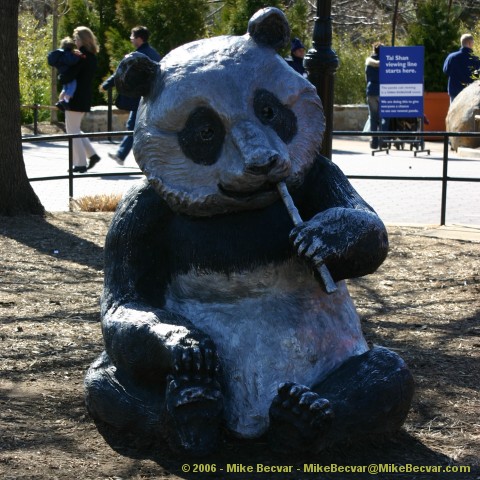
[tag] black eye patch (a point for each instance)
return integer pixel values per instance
(201, 139)
(270, 111)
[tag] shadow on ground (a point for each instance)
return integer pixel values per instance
(388, 453)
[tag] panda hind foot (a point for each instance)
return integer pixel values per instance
(300, 420)
(193, 411)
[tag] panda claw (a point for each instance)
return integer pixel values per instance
(300, 419)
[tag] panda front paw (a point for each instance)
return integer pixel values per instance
(194, 401)
(324, 236)
(196, 359)
(194, 377)
(350, 242)
(300, 419)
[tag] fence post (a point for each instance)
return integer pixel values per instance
(35, 118)
(70, 173)
(109, 113)
(444, 180)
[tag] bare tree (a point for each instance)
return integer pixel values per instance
(394, 22)
(16, 194)
(353, 17)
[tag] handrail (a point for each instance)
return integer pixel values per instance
(69, 137)
(444, 178)
(36, 107)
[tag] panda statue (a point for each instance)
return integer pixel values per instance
(214, 320)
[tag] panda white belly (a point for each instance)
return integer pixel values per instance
(270, 325)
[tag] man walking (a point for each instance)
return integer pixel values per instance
(460, 66)
(139, 38)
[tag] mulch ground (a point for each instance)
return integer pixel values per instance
(423, 303)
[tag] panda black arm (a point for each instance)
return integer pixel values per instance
(140, 335)
(340, 228)
(135, 249)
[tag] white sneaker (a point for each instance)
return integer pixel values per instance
(116, 158)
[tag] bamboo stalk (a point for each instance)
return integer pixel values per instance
(322, 269)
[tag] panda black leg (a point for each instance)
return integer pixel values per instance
(113, 399)
(300, 419)
(370, 393)
(194, 403)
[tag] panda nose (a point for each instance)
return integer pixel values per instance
(263, 165)
(255, 149)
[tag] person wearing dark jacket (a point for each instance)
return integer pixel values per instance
(62, 59)
(139, 38)
(460, 66)
(297, 52)
(83, 72)
(372, 76)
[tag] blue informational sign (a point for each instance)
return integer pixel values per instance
(401, 82)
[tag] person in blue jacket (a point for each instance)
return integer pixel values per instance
(297, 52)
(62, 59)
(460, 66)
(139, 38)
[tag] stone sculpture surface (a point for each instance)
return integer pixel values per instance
(213, 317)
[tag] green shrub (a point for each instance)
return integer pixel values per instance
(437, 28)
(350, 78)
(297, 14)
(34, 72)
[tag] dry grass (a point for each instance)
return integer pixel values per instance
(96, 203)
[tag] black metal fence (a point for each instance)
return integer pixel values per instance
(36, 107)
(69, 137)
(445, 178)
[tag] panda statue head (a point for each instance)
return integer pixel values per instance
(224, 119)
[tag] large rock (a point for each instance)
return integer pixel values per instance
(461, 116)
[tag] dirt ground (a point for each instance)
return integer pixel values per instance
(423, 303)
(44, 128)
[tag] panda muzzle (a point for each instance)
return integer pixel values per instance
(242, 194)
(260, 157)
(260, 174)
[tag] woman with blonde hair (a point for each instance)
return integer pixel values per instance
(83, 72)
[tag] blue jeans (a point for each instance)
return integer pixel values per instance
(373, 102)
(127, 142)
(69, 88)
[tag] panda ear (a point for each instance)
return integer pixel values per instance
(135, 75)
(269, 26)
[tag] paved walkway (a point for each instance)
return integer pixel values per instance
(44, 159)
(396, 201)
(412, 202)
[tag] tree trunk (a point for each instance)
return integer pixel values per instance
(16, 194)
(394, 22)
